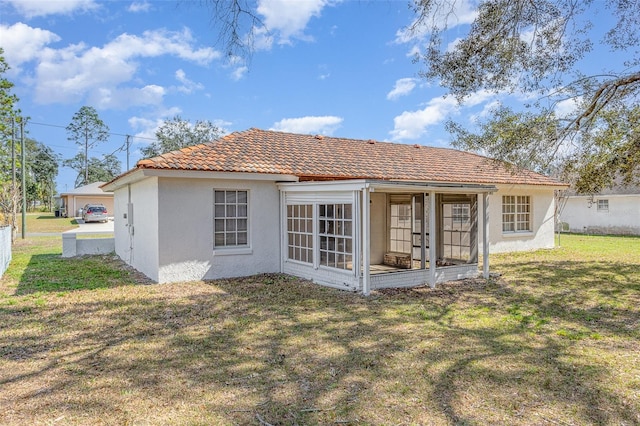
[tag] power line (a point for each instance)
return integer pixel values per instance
(110, 133)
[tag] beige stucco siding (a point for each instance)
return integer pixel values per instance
(73, 203)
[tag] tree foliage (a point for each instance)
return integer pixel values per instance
(43, 165)
(535, 47)
(10, 193)
(178, 133)
(86, 130)
(97, 169)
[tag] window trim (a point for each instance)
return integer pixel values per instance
(515, 213)
(604, 201)
(237, 248)
(348, 238)
(311, 259)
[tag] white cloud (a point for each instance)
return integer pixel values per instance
(403, 87)
(567, 107)
(34, 8)
(139, 6)
(188, 86)
(115, 98)
(239, 73)
(287, 18)
(324, 125)
(77, 71)
(146, 128)
(22, 43)
(414, 124)
(456, 13)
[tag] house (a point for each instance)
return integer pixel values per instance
(614, 211)
(72, 201)
(345, 213)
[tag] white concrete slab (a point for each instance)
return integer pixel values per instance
(92, 227)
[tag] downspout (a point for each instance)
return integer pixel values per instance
(366, 244)
(485, 235)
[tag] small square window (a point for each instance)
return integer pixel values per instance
(603, 205)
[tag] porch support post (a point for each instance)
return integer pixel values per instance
(432, 240)
(485, 235)
(366, 245)
(423, 233)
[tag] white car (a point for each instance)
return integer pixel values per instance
(94, 213)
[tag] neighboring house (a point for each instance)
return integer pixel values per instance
(351, 214)
(614, 211)
(72, 201)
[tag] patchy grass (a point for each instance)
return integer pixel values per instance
(554, 341)
(44, 222)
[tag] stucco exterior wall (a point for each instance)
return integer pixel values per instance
(622, 217)
(136, 238)
(542, 217)
(185, 230)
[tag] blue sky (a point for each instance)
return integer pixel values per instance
(339, 68)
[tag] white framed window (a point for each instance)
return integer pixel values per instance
(300, 232)
(335, 231)
(603, 205)
(230, 218)
(461, 213)
(400, 227)
(456, 233)
(516, 213)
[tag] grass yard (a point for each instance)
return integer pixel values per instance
(554, 341)
(45, 222)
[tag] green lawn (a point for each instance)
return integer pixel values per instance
(45, 222)
(554, 341)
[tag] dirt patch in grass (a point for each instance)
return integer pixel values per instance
(553, 341)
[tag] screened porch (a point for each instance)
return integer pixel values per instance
(365, 235)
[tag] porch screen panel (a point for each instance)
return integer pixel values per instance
(400, 234)
(300, 232)
(456, 218)
(335, 230)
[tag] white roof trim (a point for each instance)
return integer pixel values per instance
(140, 174)
(387, 186)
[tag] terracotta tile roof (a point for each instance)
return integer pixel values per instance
(322, 158)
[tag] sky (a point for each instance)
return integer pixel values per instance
(336, 68)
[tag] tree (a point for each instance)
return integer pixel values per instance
(9, 114)
(95, 169)
(43, 164)
(86, 130)
(178, 133)
(535, 47)
(531, 47)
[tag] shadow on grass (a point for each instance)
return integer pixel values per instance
(289, 352)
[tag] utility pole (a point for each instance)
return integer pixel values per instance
(128, 137)
(14, 206)
(24, 181)
(86, 154)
